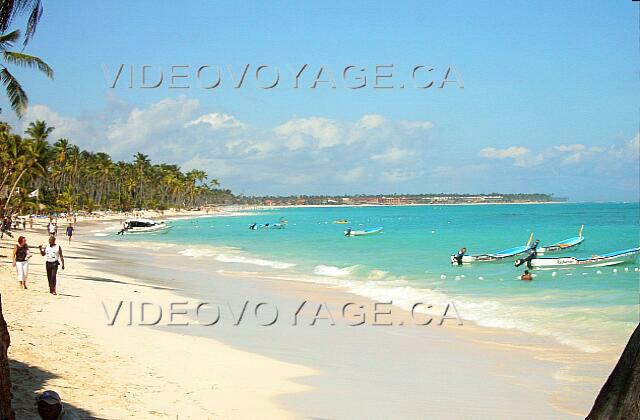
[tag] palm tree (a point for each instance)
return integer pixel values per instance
(9, 9)
(38, 130)
(16, 94)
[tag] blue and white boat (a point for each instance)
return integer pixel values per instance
(563, 245)
(495, 256)
(260, 226)
(351, 232)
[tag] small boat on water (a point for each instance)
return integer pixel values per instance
(143, 226)
(603, 260)
(351, 232)
(341, 222)
(494, 256)
(260, 226)
(563, 245)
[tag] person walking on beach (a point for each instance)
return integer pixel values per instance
(53, 256)
(21, 257)
(31, 222)
(70, 232)
(52, 228)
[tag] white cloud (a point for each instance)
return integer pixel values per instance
(352, 175)
(65, 127)
(394, 154)
(400, 175)
(416, 125)
(628, 151)
(511, 152)
(303, 132)
(517, 153)
(217, 121)
(371, 121)
(142, 126)
(575, 153)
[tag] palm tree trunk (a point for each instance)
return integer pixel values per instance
(15, 184)
(619, 398)
(5, 381)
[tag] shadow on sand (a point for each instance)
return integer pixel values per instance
(27, 382)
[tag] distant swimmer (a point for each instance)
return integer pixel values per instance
(347, 232)
(253, 226)
(458, 257)
(526, 276)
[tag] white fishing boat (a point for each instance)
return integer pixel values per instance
(493, 256)
(143, 226)
(351, 232)
(603, 260)
(563, 245)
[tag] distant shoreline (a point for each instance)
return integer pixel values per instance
(262, 206)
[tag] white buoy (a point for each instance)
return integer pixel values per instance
(480, 278)
(433, 231)
(443, 277)
(457, 277)
(636, 269)
(569, 274)
(615, 270)
(584, 274)
(598, 272)
(626, 269)
(554, 274)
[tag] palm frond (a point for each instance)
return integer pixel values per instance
(9, 9)
(17, 96)
(32, 23)
(7, 40)
(26, 60)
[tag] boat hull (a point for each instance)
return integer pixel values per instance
(495, 257)
(363, 232)
(614, 258)
(154, 229)
(571, 243)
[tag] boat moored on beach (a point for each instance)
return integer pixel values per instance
(143, 226)
(366, 232)
(603, 260)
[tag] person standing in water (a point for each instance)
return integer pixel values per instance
(70, 232)
(21, 257)
(53, 256)
(458, 257)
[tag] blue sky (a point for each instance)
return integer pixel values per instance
(549, 101)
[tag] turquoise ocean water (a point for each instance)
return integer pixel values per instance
(593, 309)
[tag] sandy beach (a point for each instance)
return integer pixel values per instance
(234, 369)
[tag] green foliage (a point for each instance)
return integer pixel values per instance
(69, 178)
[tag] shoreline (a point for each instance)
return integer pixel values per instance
(117, 371)
(300, 381)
